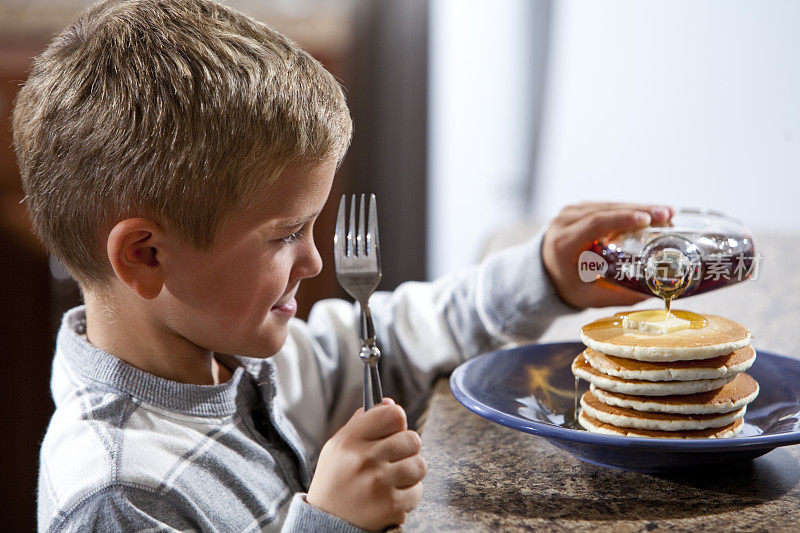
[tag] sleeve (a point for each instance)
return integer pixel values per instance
(121, 507)
(427, 329)
(424, 330)
(304, 517)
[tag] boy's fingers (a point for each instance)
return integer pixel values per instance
(380, 421)
(408, 472)
(408, 498)
(571, 214)
(399, 446)
(600, 223)
(385, 401)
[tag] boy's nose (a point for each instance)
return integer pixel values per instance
(310, 264)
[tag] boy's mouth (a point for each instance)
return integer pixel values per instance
(287, 308)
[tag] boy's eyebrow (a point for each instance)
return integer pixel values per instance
(297, 222)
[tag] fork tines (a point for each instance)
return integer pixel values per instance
(357, 243)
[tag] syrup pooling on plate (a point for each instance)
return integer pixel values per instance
(575, 405)
(572, 423)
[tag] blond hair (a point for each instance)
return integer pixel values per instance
(175, 110)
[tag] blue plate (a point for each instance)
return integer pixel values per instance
(532, 389)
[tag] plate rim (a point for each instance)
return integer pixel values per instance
(552, 431)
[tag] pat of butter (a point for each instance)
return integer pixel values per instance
(654, 322)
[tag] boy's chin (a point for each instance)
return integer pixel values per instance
(265, 347)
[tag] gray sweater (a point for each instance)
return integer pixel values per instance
(129, 451)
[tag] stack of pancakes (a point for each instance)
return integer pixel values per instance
(683, 383)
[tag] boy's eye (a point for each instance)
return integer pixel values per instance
(294, 237)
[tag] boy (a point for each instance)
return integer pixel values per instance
(175, 155)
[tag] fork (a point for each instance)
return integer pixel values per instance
(358, 269)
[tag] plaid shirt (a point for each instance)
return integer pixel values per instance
(129, 451)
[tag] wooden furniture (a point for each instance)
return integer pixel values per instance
(25, 317)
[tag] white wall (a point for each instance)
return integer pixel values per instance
(684, 102)
(480, 124)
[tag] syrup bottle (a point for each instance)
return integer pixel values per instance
(697, 251)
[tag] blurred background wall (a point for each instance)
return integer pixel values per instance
(488, 67)
(692, 103)
(469, 115)
(689, 103)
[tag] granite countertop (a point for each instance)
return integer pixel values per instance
(482, 476)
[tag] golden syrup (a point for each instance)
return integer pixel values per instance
(695, 320)
(575, 406)
(656, 315)
(571, 422)
(611, 322)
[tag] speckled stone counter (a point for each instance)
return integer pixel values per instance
(486, 477)
(482, 477)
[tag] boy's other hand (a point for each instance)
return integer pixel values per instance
(574, 230)
(370, 472)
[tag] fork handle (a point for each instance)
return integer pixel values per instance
(370, 354)
(373, 395)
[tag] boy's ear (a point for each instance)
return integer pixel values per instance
(133, 250)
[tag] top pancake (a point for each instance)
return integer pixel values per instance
(719, 337)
